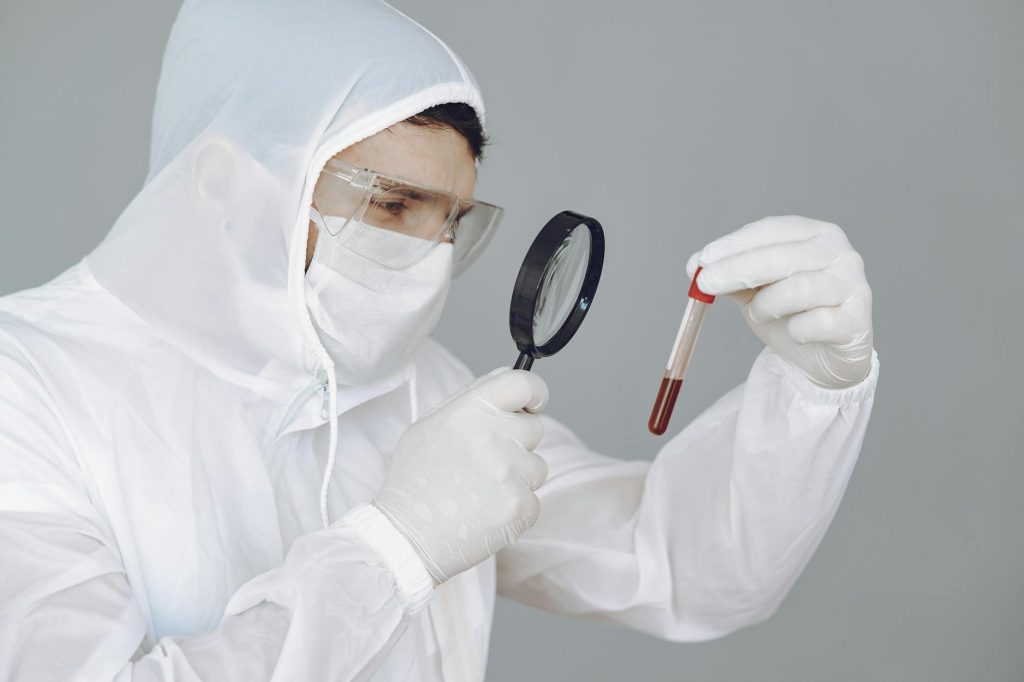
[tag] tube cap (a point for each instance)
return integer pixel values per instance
(695, 291)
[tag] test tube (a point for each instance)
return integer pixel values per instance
(696, 305)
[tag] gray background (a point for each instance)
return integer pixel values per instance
(675, 123)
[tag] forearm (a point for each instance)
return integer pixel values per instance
(735, 510)
(332, 610)
(711, 535)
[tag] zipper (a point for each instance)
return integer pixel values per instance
(321, 386)
(325, 395)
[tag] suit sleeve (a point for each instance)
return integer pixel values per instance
(332, 610)
(710, 536)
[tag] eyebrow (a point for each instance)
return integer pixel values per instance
(412, 193)
(408, 192)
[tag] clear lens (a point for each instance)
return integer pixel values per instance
(473, 232)
(337, 201)
(409, 211)
(561, 285)
(361, 207)
(389, 248)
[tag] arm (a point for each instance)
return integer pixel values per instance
(332, 610)
(713, 534)
(709, 537)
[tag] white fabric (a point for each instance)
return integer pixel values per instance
(801, 289)
(369, 317)
(378, 532)
(164, 436)
(460, 485)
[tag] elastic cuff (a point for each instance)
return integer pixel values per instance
(381, 536)
(819, 395)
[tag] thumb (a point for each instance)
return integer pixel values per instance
(471, 385)
(692, 263)
(742, 296)
(514, 390)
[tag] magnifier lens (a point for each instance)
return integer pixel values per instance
(561, 285)
(555, 286)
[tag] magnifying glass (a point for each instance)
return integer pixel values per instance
(556, 285)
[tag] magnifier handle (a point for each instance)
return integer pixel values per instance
(524, 361)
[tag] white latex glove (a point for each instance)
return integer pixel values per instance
(460, 486)
(801, 288)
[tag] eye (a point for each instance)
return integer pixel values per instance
(394, 208)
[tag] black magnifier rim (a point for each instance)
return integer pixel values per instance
(531, 275)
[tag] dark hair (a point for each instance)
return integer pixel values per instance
(459, 117)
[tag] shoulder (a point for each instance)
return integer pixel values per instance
(19, 377)
(34, 442)
(62, 356)
(75, 337)
(68, 319)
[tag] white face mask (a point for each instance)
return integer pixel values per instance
(371, 318)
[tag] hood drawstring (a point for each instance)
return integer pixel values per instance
(414, 403)
(331, 404)
(329, 384)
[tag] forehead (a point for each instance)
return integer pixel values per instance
(437, 157)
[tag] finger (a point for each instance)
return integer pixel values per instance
(765, 265)
(771, 230)
(692, 263)
(803, 291)
(743, 296)
(531, 469)
(526, 428)
(513, 390)
(833, 326)
(529, 506)
(481, 379)
(473, 384)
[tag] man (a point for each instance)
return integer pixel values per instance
(213, 462)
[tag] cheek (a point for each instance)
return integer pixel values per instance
(310, 244)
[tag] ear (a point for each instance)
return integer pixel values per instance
(214, 170)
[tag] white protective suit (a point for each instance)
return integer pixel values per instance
(163, 430)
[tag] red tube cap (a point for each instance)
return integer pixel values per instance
(695, 291)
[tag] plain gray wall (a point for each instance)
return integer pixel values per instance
(673, 123)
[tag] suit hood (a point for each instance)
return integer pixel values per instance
(253, 99)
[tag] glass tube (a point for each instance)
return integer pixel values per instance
(679, 360)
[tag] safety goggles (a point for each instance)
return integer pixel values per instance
(357, 204)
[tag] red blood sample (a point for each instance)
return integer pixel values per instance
(679, 361)
(666, 400)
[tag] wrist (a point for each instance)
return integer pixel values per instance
(813, 392)
(377, 531)
(831, 380)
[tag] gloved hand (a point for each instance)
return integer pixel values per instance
(460, 487)
(801, 289)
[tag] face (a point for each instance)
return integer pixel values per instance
(437, 157)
